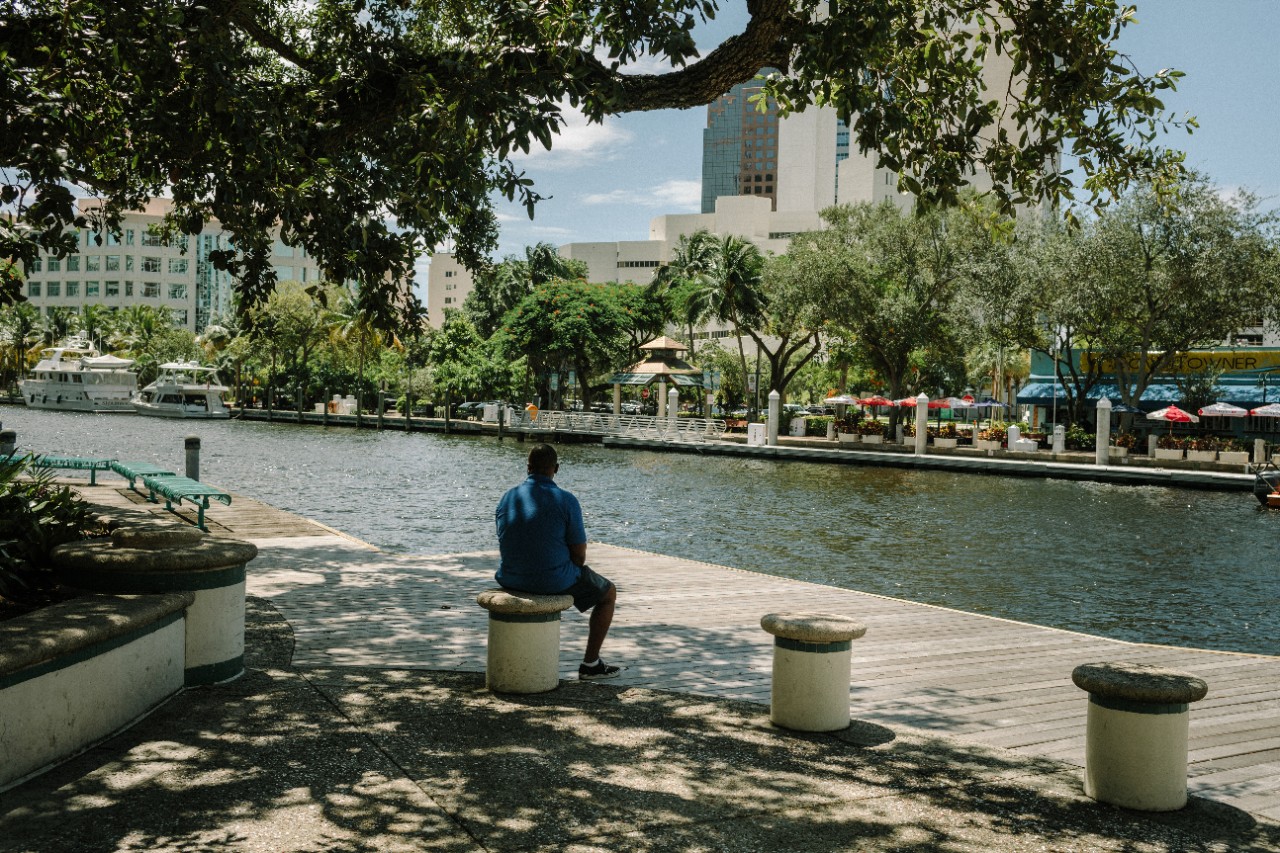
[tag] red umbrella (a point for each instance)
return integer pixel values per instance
(933, 404)
(1173, 415)
(876, 400)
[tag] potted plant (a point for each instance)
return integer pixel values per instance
(1232, 452)
(1202, 448)
(947, 437)
(1121, 444)
(872, 431)
(847, 429)
(1169, 447)
(993, 437)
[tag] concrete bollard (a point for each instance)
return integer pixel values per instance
(8, 442)
(922, 425)
(811, 661)
(167, 558)
(1102, 449)
(1136, 733)
(1152, 441)
(1059, 438)
(1259, 451)
(775, 416)
(524, 640)
(192, 446)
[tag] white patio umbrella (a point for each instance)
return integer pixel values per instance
(841, 400)
(1222, 410)
(1270, 410)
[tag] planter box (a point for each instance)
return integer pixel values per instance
(984, 444)
(1234, 457)
(1118, 452)
(873, 439)
(1168, 453)
(849, 437)
(1202, 455)
(945, 442)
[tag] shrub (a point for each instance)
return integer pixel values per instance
(817, 426)
(36, 515)
(1166, 441)
(872, 427)
(1079, 438)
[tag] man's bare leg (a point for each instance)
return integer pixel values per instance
(601, 619)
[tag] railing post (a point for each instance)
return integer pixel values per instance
(8, 442)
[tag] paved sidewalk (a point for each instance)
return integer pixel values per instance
(366, 759)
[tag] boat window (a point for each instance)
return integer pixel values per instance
(171, 398)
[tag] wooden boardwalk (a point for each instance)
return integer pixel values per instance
(694, 628)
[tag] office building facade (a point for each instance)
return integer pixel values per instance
(740, 147)
(135, 266)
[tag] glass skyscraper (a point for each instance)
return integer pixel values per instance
(740, 147)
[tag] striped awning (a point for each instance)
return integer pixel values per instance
(681, 379)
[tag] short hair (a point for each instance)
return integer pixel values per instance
(542, 458)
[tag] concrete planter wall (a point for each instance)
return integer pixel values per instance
(78, 671)
(873, 439)
(849, 438)
(984, 444)
(945, 442)
(1168, 453)
(1202, 455)
(1118, 452)
(1234, 457)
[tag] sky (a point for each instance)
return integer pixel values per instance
(606, 182)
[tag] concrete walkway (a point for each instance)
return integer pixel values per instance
(363, 725)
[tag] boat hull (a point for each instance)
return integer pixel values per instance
(152, 410)
(71, 399)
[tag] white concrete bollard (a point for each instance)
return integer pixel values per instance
(524, 640)
(775, 413)
(1136, 733)
(811, 657)
(922, 425)
(168, 558)
(1102, 451)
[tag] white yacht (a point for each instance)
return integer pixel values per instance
(75, 377)
(184, 390)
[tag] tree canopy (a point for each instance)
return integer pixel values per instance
(370, 130)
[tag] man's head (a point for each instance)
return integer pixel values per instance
(542, 460)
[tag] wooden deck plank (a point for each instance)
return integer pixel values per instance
(693, 627)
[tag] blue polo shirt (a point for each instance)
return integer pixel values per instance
(537, 522)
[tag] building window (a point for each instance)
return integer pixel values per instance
(151, 239)
(448, 274)
(91, 289)
(448, 300)
(53, 265)
(35, 266)
(128, 237)
(151, 290)
(177, 266)
(150, 264)
(73, 288)
(92, 263)
(73, 263)
(113, 263)
(177, 291)
(33, 288)
(128, 263)
(113, 288)
(128, 288)
(180, 316)
(53, 288)
(632, 264)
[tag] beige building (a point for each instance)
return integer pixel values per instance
(136, 267)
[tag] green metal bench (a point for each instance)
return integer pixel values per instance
(73, 463)
(178, 489)
(134, 471)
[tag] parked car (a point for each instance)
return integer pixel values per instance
(630, 408)
(606, 408)
(472, 409)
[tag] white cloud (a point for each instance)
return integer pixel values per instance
(672, 195)
(578, 142)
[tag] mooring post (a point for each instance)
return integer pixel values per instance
(192, 444)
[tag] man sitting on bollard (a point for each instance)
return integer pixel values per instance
(544, 551)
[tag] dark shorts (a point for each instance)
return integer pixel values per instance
(589, 590)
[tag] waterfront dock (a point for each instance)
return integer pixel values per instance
(693, 628)
(1078, 466)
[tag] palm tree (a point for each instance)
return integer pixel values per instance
(729, 291)
(58, 325)
(678, 279)
(93, 323)
(351, 324)
(21, 331)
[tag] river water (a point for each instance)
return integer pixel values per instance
(1150, 564)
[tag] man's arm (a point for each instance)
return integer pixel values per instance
(578, 554)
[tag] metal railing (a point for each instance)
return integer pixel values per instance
(681, 430)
